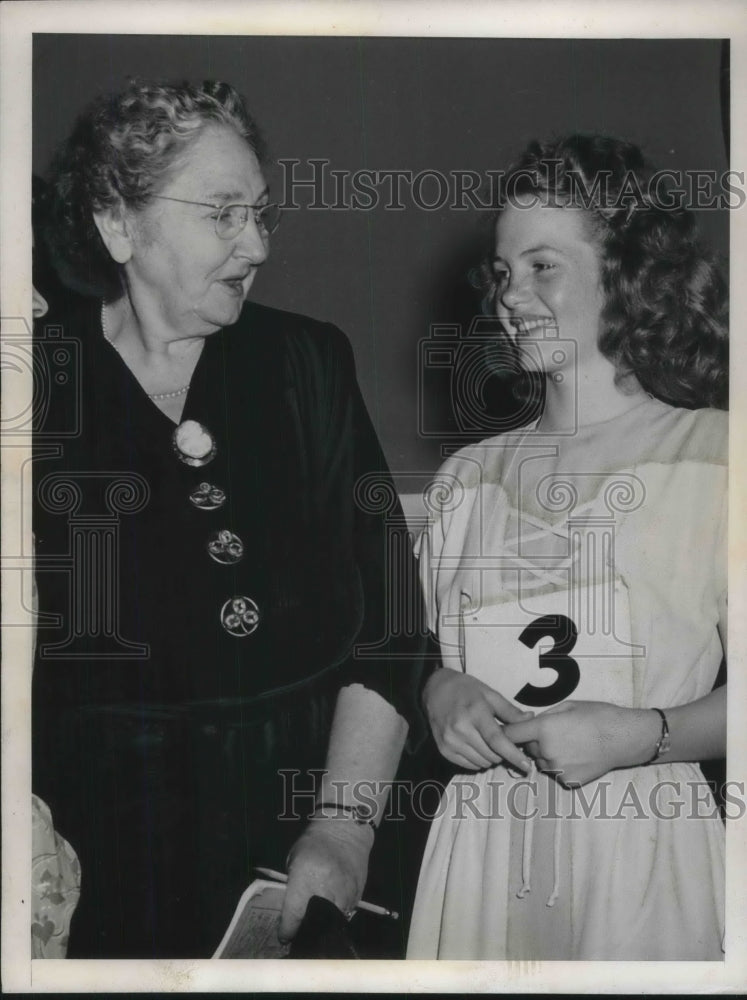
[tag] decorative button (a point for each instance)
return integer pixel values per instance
(225, 547)
(239, 616)
(193, 443)
(207, 497)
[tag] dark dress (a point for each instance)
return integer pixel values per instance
(168, 725)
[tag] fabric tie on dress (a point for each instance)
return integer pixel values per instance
(526, 851)
(538, 577)
(556, 864)
(556, 569)
(528, 843)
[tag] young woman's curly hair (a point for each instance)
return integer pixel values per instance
(120, 153)
(665, 317)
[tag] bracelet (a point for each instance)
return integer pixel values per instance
(664, 743)
(362, 815)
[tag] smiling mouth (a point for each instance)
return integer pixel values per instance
(524, 325)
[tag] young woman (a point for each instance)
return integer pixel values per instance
(576, 580)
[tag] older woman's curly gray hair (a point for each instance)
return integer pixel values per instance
(120, 153)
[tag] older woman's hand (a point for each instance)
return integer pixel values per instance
(465, 716)
(329, 859)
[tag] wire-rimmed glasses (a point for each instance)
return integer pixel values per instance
(232, 218)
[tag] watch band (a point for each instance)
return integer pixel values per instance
(362, 815)
(664, 743)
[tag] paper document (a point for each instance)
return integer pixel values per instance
(253, 931)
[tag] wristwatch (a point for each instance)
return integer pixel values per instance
(664, 743)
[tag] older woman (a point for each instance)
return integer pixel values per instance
(220, 584)
(578, 573)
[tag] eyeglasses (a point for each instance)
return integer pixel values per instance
(232, 219)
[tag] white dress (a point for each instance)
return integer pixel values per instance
(616, 570)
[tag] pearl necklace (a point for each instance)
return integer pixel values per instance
(151, 395)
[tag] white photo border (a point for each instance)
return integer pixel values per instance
(632, 19)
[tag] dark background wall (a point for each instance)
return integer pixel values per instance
(411, 104)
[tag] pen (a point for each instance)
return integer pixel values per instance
(362, 905)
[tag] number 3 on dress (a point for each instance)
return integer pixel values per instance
(564, 633)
